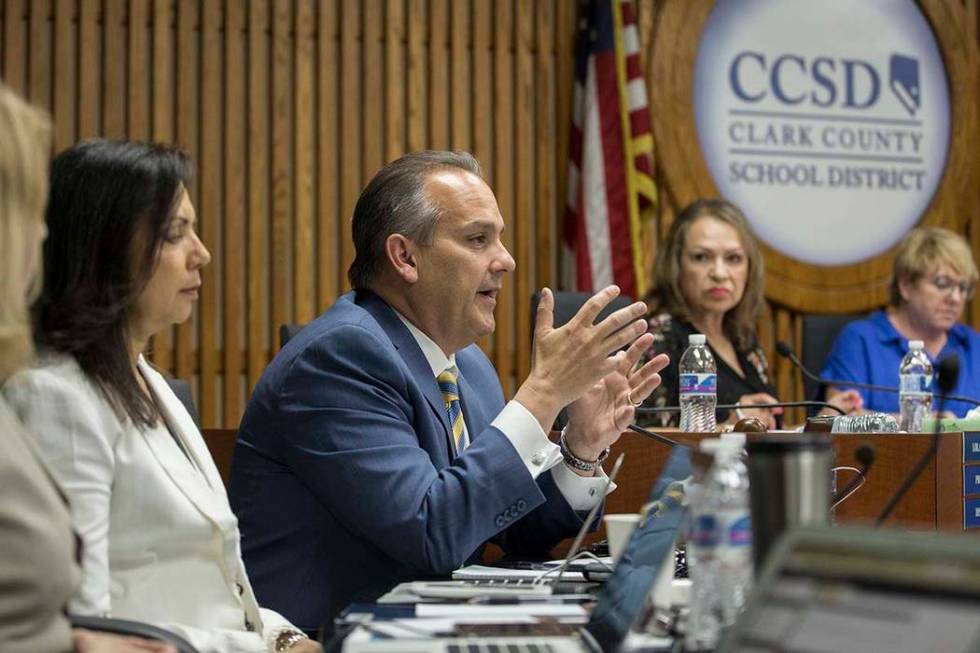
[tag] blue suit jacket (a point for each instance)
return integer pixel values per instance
(344, 478)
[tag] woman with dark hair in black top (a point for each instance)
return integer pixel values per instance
(671, 336)
(710, 277)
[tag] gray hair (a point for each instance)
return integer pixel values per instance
(395, 202)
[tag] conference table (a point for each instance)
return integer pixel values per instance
(941, 499)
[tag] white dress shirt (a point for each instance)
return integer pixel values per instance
(516, 422)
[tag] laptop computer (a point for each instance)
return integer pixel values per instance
(619, 603)
(864, 591)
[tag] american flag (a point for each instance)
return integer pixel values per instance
(610, 173)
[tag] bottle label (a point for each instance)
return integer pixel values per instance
(698, 384)
(915, 383)
(705, 532)
(740, 531)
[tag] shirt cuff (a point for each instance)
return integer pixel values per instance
(538, 453)
(581, 492)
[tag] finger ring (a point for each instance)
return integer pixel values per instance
(629, 398)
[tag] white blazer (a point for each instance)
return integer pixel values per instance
(160, 542)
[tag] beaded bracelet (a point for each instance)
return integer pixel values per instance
(575, 462)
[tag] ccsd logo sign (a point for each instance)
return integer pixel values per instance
(828, 122)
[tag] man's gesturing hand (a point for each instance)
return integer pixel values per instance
(571, 359)
(600, 416)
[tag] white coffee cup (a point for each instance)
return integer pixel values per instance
(618, 529)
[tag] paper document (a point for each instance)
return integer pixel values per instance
(501, 612)
(482, 572)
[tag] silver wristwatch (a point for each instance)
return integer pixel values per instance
(286, 639)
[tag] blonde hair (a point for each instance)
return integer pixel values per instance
(25, 134)
(740, 322)
(923, 249)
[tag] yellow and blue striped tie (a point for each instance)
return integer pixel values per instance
(450, 395)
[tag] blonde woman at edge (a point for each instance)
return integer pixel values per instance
(123, 262)
(38, 572)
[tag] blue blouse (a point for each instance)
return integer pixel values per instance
(870, 351)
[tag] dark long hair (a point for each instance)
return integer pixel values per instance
(109, 208)
(740, 322)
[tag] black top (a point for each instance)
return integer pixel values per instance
(670, 336)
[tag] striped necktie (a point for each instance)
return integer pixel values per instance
(450, 395)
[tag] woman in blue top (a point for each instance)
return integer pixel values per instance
(934, 275)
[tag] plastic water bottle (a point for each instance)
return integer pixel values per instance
(698, 384)
(719, 549)
(915, 381)
(703, 630)
(735, 522)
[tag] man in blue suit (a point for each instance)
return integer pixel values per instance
(378, 446)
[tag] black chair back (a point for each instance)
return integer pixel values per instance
(568, 303)
(819, 333)
(182, 389)
(287, 332)
(132, 629)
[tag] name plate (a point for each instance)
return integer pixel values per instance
(971, 513)
(971, 447)
(971, 480)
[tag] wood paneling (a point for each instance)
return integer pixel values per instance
(501, 176)
(14, 44)
(288, 106)
(259, 330)
(234, 218)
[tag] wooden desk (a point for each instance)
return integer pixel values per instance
(935, 500)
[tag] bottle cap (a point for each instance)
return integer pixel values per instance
(719, 447)
(709, 444)
(696, 339)
(916, 344)
(737, 439)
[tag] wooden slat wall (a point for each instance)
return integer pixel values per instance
(287, 108)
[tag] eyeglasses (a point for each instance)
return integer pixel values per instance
(946, 286)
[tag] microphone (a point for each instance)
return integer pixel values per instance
(786, 351)
(947, 373)
(642, 410)
(865, 455)
(655, 436)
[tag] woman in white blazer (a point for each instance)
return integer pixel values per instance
(38, 567)
(160, 542)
